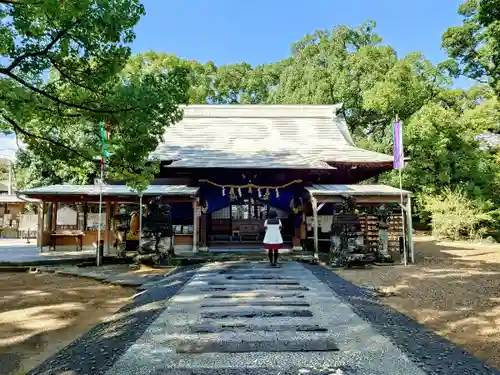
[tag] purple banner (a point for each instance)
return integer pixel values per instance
(399, 156)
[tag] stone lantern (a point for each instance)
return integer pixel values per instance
(123, 219)
(383, 213)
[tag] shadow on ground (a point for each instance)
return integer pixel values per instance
(41, 313)
(98, 349)
(453, 289)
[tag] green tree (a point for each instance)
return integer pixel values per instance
(476, 43)
(84, 47)
(352, 66)
(200, 76)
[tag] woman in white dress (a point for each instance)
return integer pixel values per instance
(273, 239)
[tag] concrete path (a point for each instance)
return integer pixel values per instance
(258, 319)
(19, 252)
(117, 274)
(252, 319)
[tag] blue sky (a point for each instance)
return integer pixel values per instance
(261, 31)
(258, 31)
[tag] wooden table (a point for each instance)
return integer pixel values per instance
(78, 236)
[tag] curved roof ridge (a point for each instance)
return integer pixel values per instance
(261, 110)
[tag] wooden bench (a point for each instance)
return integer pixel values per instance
(77, 235)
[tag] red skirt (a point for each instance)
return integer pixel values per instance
(272, 246)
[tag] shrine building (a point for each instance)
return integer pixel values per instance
(224, 166)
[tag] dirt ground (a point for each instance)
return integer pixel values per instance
(41, 313)
(453, 289)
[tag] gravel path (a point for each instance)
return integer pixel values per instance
(224, 321)
(251, 319)
(431, 352)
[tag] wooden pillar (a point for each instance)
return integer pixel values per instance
(140, 219)
(314, 204)
(115, 213)
(85, 216)
(47, 220)
(41, 217)
(297, 244)
(107, 237)
(409, 229)
(195, 225)
(53, 224)
(203, 232)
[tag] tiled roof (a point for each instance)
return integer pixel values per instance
(261, 136)
(355, 190)
(111, 190)
(5, 198)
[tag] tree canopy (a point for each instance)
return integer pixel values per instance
(64, 71)
(476, 43)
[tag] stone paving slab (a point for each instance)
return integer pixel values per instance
(253, 313)
(238, 327)
(232, 283)
(257, 302)
(270, 294)
(256, 371)
(250, 288)
(255, 346)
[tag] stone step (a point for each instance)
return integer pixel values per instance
(251, 271)
(271, 294)
(255, 346)
(256, 302)
(242, 327)
(254, 282)
(240, 271)
(256, 313)
(239, 288)
(260, 277)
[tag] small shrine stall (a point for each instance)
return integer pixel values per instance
(69, 216)
(18, 216)
(379, 215)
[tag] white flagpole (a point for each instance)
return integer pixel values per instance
(140, 219)
(99, 259)
(101, 181)
(401, 164)
(405, 257)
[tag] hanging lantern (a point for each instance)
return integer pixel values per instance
(277, 193)
(267, 194)
(231, 194)
(249, 190)
(223, 191)
(259, 193)
(239, 192)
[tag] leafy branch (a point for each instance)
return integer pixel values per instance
(12, 2)
(19, 129)
(59, 35)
